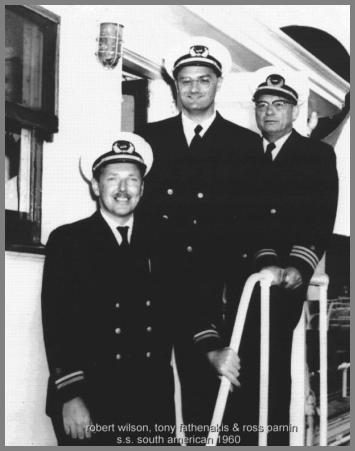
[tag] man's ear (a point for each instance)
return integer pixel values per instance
(142, 188)
(219, 83)
(295, 112)
(176, 85)
(95, 187)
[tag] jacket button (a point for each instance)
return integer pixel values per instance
(224, 300)
(148, 354)
(200, 195)
(147, 303)
(189, 249)
(170, 191)
(165, 217)
(273, 211)
(118, 356)
(117, 331)
(245, 255)
(194, 221)
(117, 305)
(149, 328)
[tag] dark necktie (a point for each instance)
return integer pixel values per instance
(268, 154)
(123, 230)
(197, 138)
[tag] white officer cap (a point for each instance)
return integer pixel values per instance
(199, 51)
(128, 148)
(291, 84)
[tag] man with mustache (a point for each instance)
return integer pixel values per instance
(107, 316)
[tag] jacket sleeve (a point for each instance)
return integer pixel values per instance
(314, 232)
(60, 317)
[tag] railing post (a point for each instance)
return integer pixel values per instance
(264, 360)
(298, 372)
(322, 282)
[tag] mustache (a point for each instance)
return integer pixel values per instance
(121, 195)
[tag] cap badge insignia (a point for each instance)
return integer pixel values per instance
(123, 147)
(275, 80)
(199, 50)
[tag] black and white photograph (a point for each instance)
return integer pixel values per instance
(177, 225)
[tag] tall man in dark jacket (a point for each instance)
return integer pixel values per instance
(202, 191)
(297, 213)
(107, 317)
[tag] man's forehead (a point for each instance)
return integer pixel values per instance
(122, 166)
(195, 71)
(270, 98)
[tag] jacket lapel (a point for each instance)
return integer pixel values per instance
(288, 149)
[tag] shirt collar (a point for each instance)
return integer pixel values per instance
(189, 126)
(278, 144)
(113, 226)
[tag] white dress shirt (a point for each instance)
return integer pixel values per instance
(278, 145)
(113, 226)
(189, 126)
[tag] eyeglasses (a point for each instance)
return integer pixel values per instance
(277, 105)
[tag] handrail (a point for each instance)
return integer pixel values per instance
(322, 281)
(265, 278)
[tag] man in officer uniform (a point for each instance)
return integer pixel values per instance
(297, 211)
(202, 191)
(107, 317)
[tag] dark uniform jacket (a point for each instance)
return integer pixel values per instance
(203, 198)
(295, 221)
(106, 314)
(299, 204)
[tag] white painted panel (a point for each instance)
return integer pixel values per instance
(26, 369)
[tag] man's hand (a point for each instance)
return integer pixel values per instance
(292, 278)
(276, 272)
(226, 362)
(76, 419)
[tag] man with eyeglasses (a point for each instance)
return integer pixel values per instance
(297, 213)
(202, 190)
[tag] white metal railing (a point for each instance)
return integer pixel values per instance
(265, 279)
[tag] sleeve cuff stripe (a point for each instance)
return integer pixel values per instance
(265, 252)
(206, 333)
(69, 376)
(306, 250)
(305, 257)
(70, 381)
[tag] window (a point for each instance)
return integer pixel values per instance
(31, 116)
(134, 101)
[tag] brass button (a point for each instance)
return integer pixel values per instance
(189, 248)
(118, 356)
(147, 303)
(273, 211)
(149, 328)
(148, 354)
(200, 195)
(117, 305)
(170, 191)
(117, 331)
(195, 221)
(165, 217)
(245, 255)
